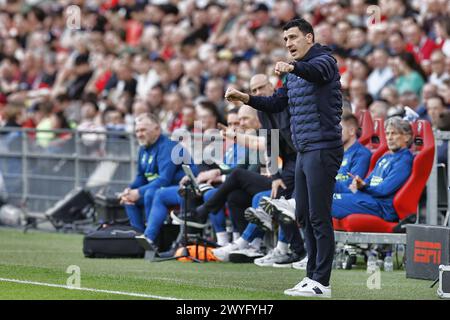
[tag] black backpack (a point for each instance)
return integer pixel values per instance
(113, 241)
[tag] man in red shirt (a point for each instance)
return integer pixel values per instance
(418, 43)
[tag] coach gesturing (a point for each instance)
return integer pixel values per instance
(312, 92)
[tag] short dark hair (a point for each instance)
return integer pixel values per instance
(304, 26)
(351, 119)
(233, 111)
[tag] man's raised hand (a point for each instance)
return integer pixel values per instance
(283, 67)
(236, 95)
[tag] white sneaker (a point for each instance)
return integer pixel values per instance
(246, 255)
(301, 265)
(284, 208)
(223, 253)
(299, 286)
(272, 257)
(309, 288)
(259, 217)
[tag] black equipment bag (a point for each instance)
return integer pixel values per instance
(113, 241)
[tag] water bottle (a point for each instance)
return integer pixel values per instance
(388, 264)
(371, 263)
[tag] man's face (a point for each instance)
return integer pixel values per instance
(413, 34)
(348, 132)
(357, 89)
(88, 111)
(188, 116)
(437, 63)
(434, 109)
(209, 121)
(380, 59)
(155, 97)
(213, 91)
(233, 121)
(297, 43)
(429, 90)
(247, 119)
(395, 139)
(261, 87)
(147, 132)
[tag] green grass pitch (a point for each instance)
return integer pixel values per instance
(45, 257)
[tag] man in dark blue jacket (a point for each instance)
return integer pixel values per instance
(156, 169)
(312, 92)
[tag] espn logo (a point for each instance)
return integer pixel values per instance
(427, 252)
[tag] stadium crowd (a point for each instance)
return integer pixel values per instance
(175, 59)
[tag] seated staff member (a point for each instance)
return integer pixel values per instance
(155, 170)
(356, 158)
(374, 195)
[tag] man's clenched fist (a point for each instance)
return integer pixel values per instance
(236, 95)
(283, 67)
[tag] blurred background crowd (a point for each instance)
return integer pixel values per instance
(127, 57)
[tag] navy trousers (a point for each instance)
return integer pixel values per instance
(315, 177)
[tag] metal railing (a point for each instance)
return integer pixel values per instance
(40, 167)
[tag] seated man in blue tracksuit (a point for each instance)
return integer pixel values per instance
(156, 169)
(374, 195)
(356, 158)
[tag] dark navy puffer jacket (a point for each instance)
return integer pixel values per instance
(313, 93)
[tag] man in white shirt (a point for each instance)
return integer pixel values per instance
(438, 75)
(381, 74)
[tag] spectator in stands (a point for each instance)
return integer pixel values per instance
(188, 117)
(93, 140)
(409, 76)
(418, 43)
(390, 95)
(396, 43)
(62, 138)
(82, 73)
(114, 121)
(429, 90)
(174, 116)
(156, 169)
(214, 92)
(381, 75)
(374, 195)
(442, 29)
(438, 75)
(44, 124)
(358, 43)
(435, 107)
(409, 99)
(378, 109)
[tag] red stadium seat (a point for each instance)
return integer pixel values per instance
(377, 144)
(407, 198)
(337, 225)
(365, 127)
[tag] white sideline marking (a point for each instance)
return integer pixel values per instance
(132, 294)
